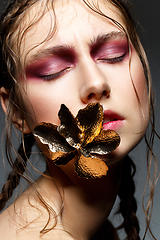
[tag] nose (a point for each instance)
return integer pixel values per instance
(94, 84)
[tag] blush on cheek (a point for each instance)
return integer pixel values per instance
(140, 84)
(42, 108)
(140, 81)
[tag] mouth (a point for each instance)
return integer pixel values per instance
(112, 120)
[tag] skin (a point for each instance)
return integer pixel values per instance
(88, 71)
(88, 77)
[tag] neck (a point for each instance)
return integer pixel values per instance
(87, 202)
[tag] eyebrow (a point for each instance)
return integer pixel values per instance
(59, 50)
(101, 39)
(67, 51)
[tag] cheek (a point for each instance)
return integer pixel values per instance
(42, 105)
(140, 85)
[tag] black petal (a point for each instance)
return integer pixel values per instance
(90, 121)
(63, 158)
(104, 143)
(68, 127)
(47, 134)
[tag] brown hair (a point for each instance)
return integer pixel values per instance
(12, 22)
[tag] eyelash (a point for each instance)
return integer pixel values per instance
(113, 60)
(54, 76)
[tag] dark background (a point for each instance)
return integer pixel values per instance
(147, 15)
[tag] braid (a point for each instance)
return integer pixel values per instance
(18, 167)
(128, 204)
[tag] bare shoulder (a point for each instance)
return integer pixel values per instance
(25, 223)
(27, 216)
(11, 229)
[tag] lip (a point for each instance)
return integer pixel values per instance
(112, 120)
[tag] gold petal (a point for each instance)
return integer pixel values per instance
(68, 127)
(104, 143)
(60, 158)
(90, 121)
(90, 167)
(47, 134)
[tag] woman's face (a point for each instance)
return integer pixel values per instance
(86, 60)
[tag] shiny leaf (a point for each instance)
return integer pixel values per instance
(90, 121)
(90, 167)
(68, 127)
(104, 143)
(60, 158)
(47, 134)
(79, 139)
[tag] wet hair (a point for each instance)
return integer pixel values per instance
(12, 33)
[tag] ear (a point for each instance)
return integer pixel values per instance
(19, 122)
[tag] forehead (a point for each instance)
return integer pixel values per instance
(66, 22)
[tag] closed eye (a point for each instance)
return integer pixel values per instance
(113, 60)
(54, 76)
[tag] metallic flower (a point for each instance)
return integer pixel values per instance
(81, 138)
